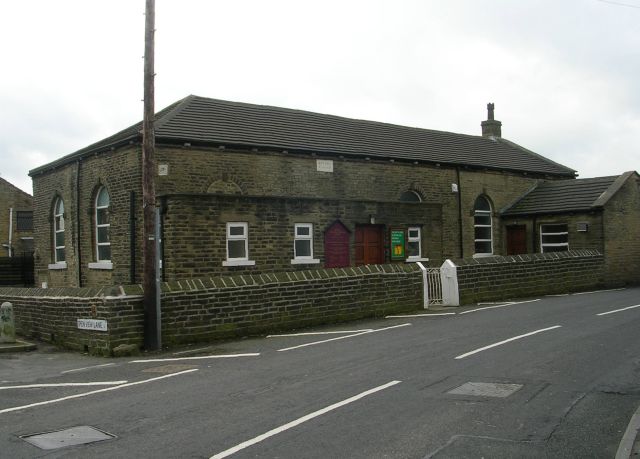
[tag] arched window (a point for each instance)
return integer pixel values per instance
(410, 196)
(58, 231)
(482, 227)
(103, 244)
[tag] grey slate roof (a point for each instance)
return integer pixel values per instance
(203, 121)
(560, 196)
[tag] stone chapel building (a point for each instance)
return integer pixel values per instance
(251, 188)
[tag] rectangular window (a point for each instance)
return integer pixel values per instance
(303, 245)
(554, 238)
(238, 245)
(414, 249)
(24, 220)
(237, 241)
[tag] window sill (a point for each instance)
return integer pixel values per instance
(59, 265)
(238, 263)
(416, 259)
(482, 255)
(305, 261)
(101, 265)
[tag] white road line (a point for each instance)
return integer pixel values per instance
(421, 315)
(462, 356)
(191, 351)
(511, 303)
(85, 394)
(301, 420)
(598, 291)
(37, 386)
(320, 333)
(341, 337)
(200, 357)
(618, 310)
(87, 368)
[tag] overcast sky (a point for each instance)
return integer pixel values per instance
(564, 75)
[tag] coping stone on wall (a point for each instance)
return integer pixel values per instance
(530, 257)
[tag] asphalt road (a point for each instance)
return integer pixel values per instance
(549, 377)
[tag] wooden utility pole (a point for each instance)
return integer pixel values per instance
(151, 322)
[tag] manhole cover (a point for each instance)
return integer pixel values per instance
(169, 368)
(483, 389)
(68, 437)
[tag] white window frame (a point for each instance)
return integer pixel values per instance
(297, 259)
(417, 239)
(103, 225)
(58, 212)
(553, 244)
(240, 261)
(482, 213)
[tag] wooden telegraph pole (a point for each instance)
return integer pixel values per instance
(151, 313)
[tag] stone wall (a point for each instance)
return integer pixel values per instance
(282, 174)
(591, 239)
(273, 174)
(77, 184)
(521, 276)
(214, 308)
(622, 236)
(194, 235)
(12, 197)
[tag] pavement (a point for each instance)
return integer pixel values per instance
(19, 346)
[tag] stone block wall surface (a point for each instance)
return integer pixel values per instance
(591, 239)
(12, 197)
(281, 174)
(212, 308)
(195, 230)
(267, 173)
(622, 236)
(521, 276)
(77, 185)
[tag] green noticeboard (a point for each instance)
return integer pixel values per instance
(397, 245)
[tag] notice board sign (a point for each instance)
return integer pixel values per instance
(397, 244)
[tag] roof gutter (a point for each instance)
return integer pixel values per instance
(81, 154)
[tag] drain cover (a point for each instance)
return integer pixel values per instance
(68, 437)
(483, 389)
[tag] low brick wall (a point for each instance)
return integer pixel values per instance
(215, 308)
(521, 276)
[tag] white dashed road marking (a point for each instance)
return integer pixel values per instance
(462, 356)
(342, 337)
(201, 357)
(618, 310)
(299, 421)
(34, 386)
(86, 394)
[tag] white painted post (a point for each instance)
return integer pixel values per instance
(425, 285)
(449, 278)
(7, 324)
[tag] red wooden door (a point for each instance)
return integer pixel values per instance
(369, 245)
(336, 246)
(516, 239)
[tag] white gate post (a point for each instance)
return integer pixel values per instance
(425, 284)
(449, 277)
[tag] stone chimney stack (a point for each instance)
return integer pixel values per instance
(491, 127)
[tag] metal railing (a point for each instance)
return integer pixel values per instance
(433, 286)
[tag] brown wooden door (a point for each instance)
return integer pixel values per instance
(516, 239)
(336, 246)
(369, 245)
